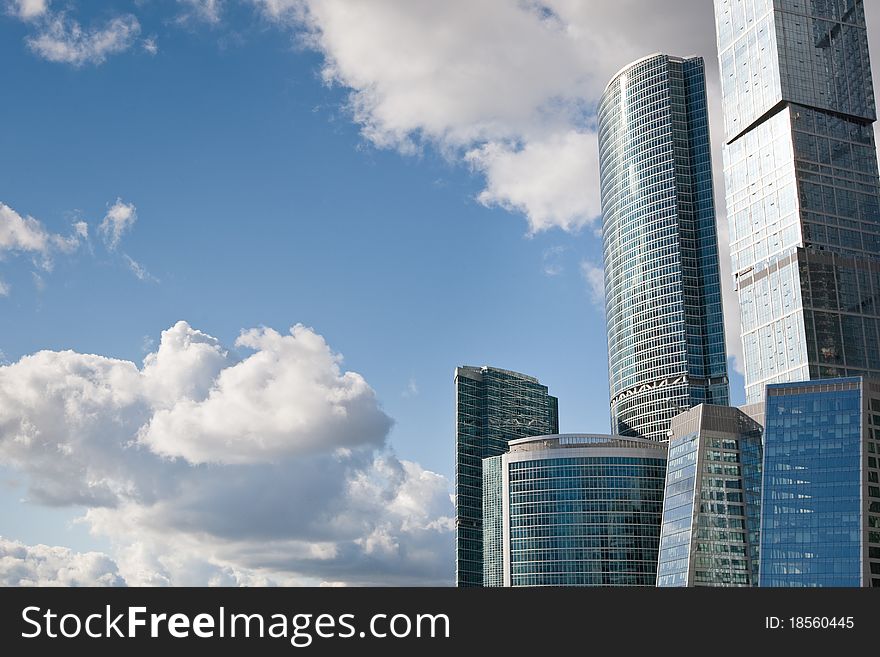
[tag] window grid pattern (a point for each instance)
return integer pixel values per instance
(709, 535)
(871, 459)
(493, 521)
(664, 317)
(811, 525)
(585, 521)
(802, 188)
(493, 406)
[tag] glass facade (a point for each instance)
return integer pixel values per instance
(666, 349)
(492, 407)
(493, 522)
(820, 521)
(803, 200)
(581, 510)
(710, 530)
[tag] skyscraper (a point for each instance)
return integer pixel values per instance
(492, 407)
(820, 511)
(711, 509)
(666, 349)
(574, 510)
(803, 201)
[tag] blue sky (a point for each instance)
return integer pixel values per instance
(267, 195)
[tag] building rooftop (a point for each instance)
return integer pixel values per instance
(635, 63)
(570, 440)
(476, 372)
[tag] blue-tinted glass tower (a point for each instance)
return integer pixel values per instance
(666, 349)
(820, 511)
(803, 201)
(574, 510)
(492, 407)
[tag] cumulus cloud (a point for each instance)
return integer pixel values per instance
(63, 40)
(28, 10)
(42, 565)
(119, 219)
(554, 182)
(288, 398)
(206, 467)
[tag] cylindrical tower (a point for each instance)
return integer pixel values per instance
(666, 349)
(574, 510)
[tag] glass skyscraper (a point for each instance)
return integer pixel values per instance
(820, 513)
(803, 201)
(493, 521)
(711, 508)
(574, 510)
(666, 349)
(492, 407)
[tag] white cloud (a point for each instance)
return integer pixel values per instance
(25, 234)
(19, 233)
(28, 10)
(81, 229)
(203, 468)
(150, 46)
(594, 275)
(280, 9)
(119, 219)
(286, 399)
(204, 10)
(64, 40)
(42, 565)
(553, 181)
(138, 269)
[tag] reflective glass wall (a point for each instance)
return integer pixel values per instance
(709, 535)
(820, 515)
(492, 407)
(666, 347)
(582, 510)
(803, 200)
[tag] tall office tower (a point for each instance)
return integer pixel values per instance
(666, 350)
(803, 200)
(492, 407)
(493, 521)
(820, 509)
(574, 510)
(711, 509)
